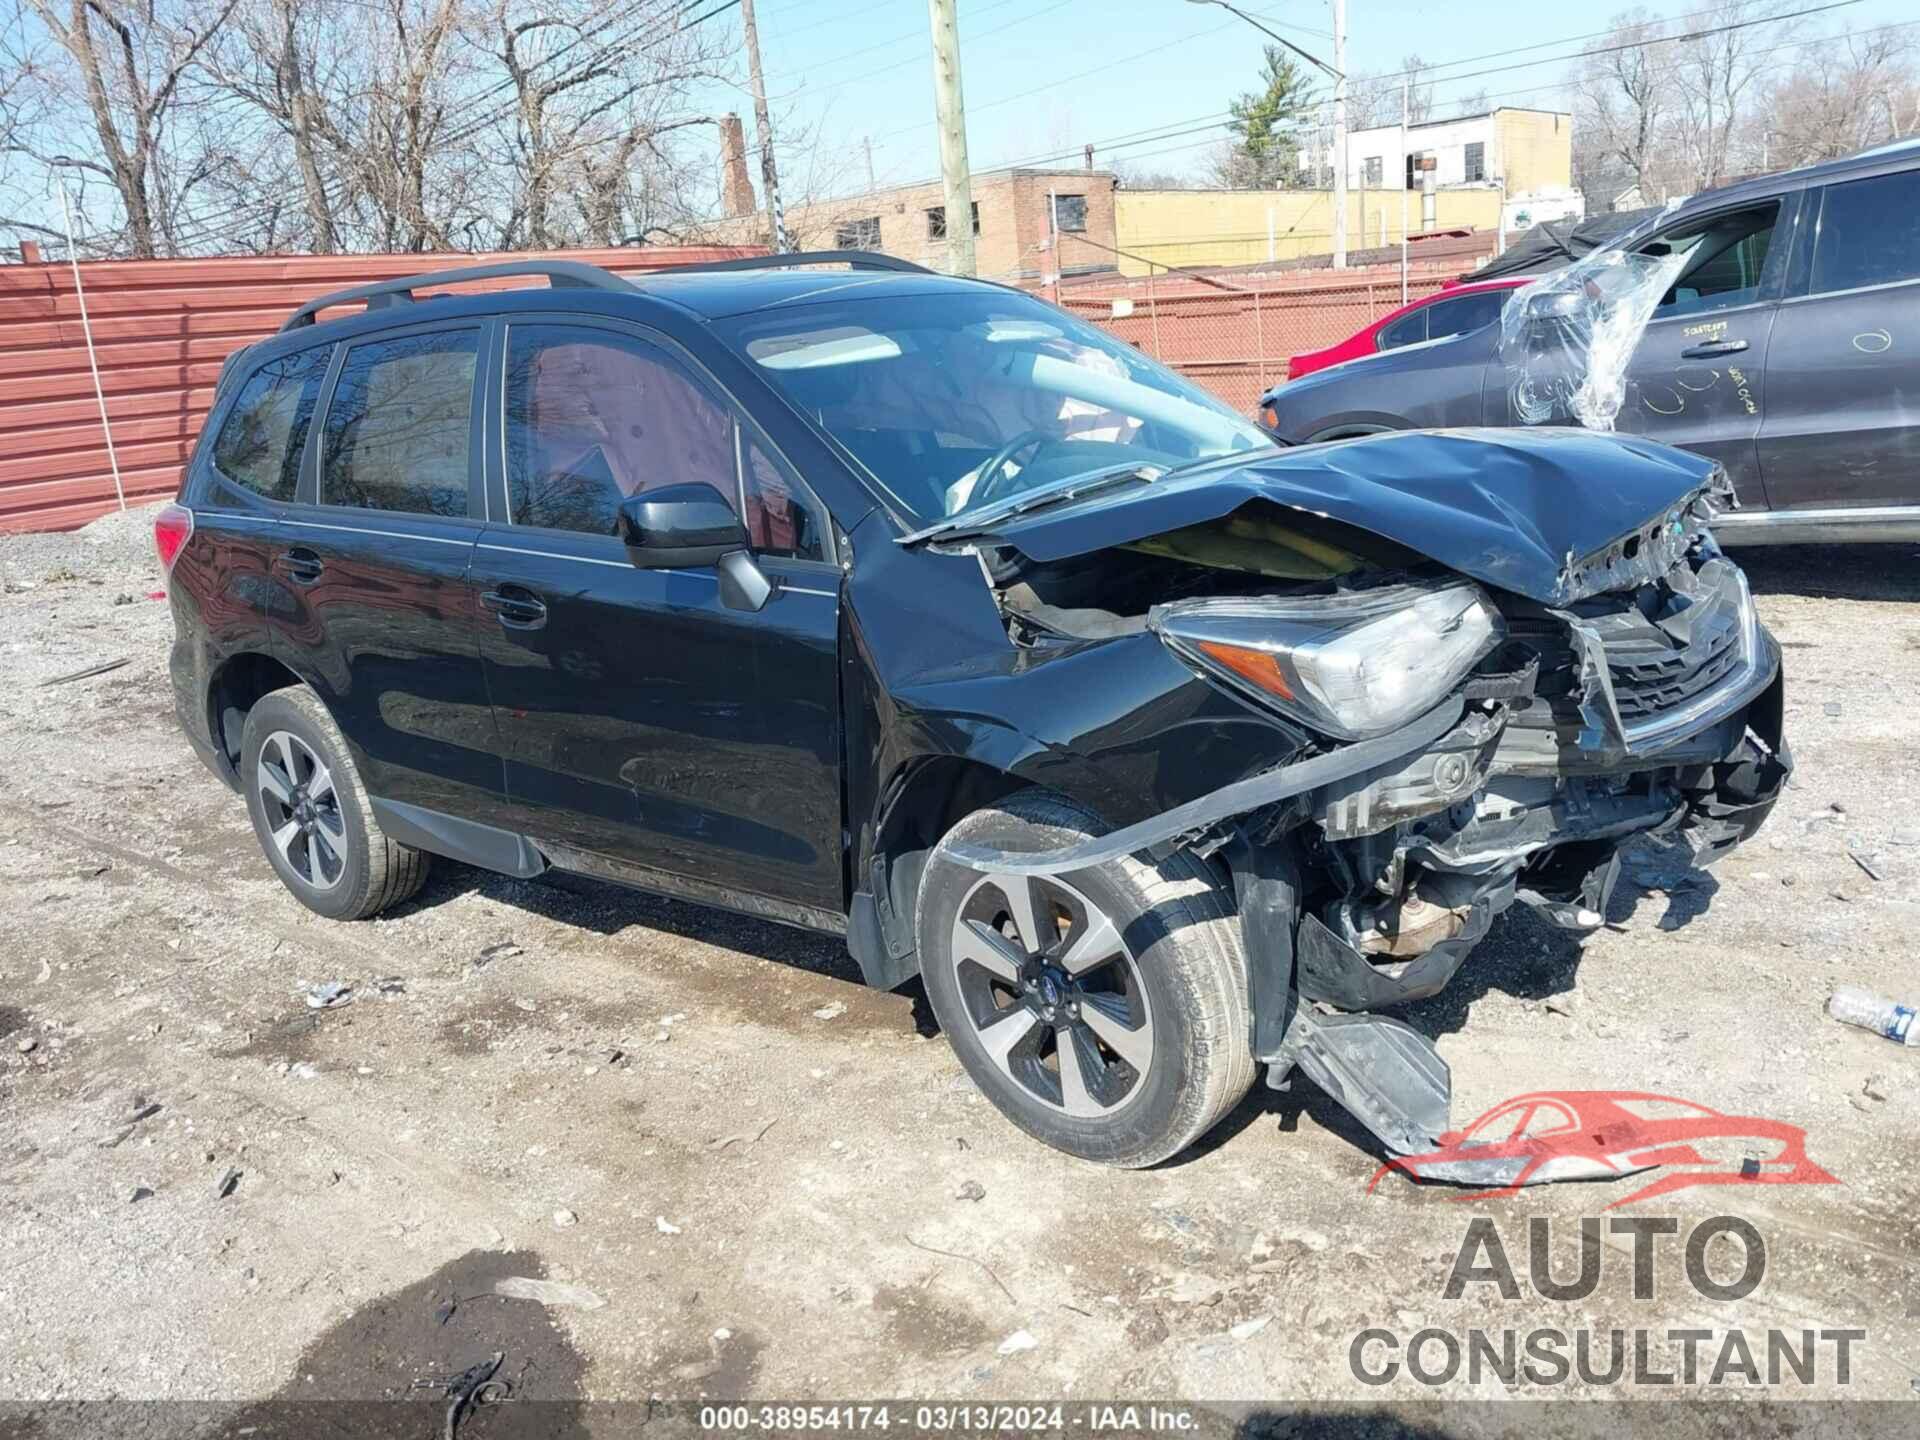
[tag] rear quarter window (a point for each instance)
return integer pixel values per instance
(265, 433)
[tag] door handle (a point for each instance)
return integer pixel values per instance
(1712, 348)
(517, 609)
(303, 567)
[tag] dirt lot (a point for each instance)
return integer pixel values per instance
(763, 1169)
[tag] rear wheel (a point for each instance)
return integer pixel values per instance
(311, 814)
(1104, 1013)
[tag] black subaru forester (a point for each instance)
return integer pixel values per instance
(913, 609)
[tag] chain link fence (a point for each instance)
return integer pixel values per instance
(1234, 334)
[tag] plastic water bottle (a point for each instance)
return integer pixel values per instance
(1855, 1006)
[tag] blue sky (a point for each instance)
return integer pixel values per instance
(1046, 76)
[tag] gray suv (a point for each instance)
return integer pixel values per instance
(1788, 349)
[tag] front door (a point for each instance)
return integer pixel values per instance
(1842, 426)
(1697, 378)
(641, 719)
(381, 615)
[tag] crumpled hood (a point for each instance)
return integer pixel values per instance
(1513, 508)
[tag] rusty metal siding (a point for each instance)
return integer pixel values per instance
(161, 329)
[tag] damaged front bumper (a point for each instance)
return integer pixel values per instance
(1366, 874)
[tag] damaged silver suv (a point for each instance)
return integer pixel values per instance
(913, 609)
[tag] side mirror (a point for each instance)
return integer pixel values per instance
(678, 527)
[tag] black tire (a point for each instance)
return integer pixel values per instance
(1183, 954)
(368, 872)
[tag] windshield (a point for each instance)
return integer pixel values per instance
(958, 401)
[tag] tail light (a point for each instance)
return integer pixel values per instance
(172, 528)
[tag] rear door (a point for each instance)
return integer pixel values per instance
(1698, 377)
(642, 720)
(1842, 424)
(382, 616)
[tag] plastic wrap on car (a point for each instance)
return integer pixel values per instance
(1566, 340)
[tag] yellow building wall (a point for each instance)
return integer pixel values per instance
(1178, 228)
(1534, 149)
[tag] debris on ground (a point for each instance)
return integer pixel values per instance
(88, 673)
(548, 1292)
(471, 1388)
(328, 995)
(1188, 1288)
(229, 1182)
(502, 950)
(1865, 862)
(1875, 1087)
(390, 985)
(565, 1219)
(742, 1137)
(140, 1192)
(665, 1226)
(972, 1190)
(1017, 1342)
(831, 1012)
(1247, 1329)
(1851, 1005)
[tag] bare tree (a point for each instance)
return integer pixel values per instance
(597, 89)
(128, 58)
(1716, 71)
(1858, 91)
(1622, 102)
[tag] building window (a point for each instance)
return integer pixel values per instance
(861, 234)
(1476, 161)
(1373, 172)
(937, 221)
(1070, 213)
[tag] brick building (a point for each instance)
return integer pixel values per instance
(1010, 223)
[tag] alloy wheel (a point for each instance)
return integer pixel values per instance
(302, 808)
(1053, 993)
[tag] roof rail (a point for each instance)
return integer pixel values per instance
(852, 259)
(560, 274)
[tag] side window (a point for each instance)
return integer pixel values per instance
(1464, 313)
(593, 418)
(260, 445)
(397, 436)
(1407, 330)
(1726, 258)
(1869, 233)
(778, 522)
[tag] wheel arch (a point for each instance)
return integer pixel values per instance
(1350, 430)
(923, 799)
(241, 682)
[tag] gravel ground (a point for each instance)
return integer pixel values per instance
(779, 1184)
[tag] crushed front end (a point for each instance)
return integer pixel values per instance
(1637, 694)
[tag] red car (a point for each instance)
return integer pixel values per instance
(1605, 1134)
(1452, 311)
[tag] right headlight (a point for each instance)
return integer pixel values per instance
(1352, 665)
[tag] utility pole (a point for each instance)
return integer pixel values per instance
(951, 108)
(763, 123)
(867, 141)
(1405, 176)
(1340, 134)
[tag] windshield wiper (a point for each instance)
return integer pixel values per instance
(974, 522)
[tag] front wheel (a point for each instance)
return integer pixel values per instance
(1104, 1013)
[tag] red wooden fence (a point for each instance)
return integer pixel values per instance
(161, 329)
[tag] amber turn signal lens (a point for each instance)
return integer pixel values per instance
(1256, 667)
